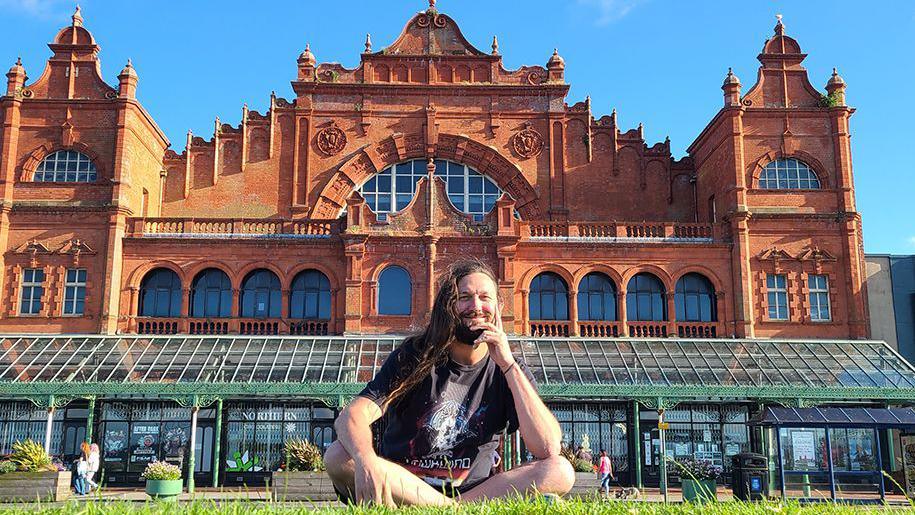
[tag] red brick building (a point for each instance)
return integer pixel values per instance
(577, 195)
(333, 213)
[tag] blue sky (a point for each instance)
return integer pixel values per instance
(657, 62)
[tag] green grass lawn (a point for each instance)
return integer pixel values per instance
(488, 508)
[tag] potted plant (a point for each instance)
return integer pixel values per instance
(163, 481)
(30, 475)
(303, 476)
(700, 480)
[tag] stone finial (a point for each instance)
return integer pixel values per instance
(779, 26)
(731, 88)
(307, 57)
(431, 4)
(19, 62)
(77, 17)
(368, 43)
(495, 46)
(836, 79)
(556, 61)
(836, 89)
(731, 78)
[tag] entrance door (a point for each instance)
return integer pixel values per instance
(203, 452)
(322, 434)
(74, 435)
(650, 450)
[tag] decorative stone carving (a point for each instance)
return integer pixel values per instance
(330, 140)
(528, 142)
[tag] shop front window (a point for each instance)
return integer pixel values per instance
(602, 426)
(22, 420)
(136, 434)
(256, 435)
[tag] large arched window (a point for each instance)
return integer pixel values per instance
(788, 174)
(260, 295)
(645, 299)
(596, 298)
(160, 294)
(211, 294)
(395, 292)
(695, 299)
(66, 166)
(392, 189)
(549, 298)
(309, 297)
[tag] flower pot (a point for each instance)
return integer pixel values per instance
(164, 489)
(703, 490)
(34, 486)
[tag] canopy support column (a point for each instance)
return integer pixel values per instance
(636, 442)
(663, 454)
(880, 467)
(217, 452)
(781, 466)
(90, 419)
(832, 470)
(49, 425)
(190, 462)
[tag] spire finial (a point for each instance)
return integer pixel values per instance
(495, 45)
(129, 63)
(77, 17)
(779, 26)
(368, 43)
(834, 71)
(19, 62)
(431, 4)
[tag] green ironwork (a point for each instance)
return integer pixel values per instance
(636, 442)
(217, 445)
(191, 461)
(90, 420)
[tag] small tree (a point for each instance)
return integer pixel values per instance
(303, 455)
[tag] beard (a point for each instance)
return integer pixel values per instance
(464, 334)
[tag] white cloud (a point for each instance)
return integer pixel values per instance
(609, 11)
(39, 8)
(912, 241)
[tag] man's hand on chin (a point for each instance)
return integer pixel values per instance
(497, 341)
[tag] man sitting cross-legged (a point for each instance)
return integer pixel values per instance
(446, 395)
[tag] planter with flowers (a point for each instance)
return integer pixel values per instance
(28, 474)
(302, 476)
(163, 481)
(700, 480)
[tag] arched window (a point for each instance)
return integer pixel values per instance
(260, 295)
(395, 292)
(66, 166)
(468, 190)
(309, 297)
(788, 174)
(645, 300)
(160, 294)
(695, 299)
(549, 298)
(211, 294)
(596, 298)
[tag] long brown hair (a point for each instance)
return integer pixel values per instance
(420, 353)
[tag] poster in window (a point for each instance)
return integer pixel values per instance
(115, 444)
(144, 443)
(908, 464)
(802, 445)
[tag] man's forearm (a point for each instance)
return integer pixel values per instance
(356, 437)
(539, 428)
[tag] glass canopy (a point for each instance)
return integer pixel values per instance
(569, 367)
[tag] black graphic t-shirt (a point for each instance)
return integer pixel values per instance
(446, 429)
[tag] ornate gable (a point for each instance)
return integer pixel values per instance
(431, 33)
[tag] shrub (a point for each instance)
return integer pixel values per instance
(161, 471)
(7, 466)
(567, 453)
(30, 456)
(583, 466)
(303, 455)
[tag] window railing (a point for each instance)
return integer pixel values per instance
(551, 328)
(619, 230)
(217, 326)
(599, 328)
(647, 329)
(225, 227)
(697, 329)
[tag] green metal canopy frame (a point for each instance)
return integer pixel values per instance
(659, 373)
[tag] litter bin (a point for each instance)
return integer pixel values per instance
(750, 479)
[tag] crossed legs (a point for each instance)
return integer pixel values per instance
(552, 475)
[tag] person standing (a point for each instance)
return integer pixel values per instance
(605, 471)
(93, 462)
(81, 470)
